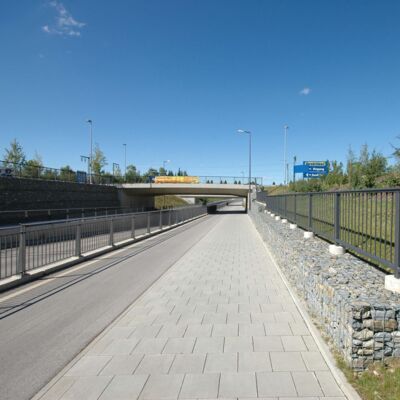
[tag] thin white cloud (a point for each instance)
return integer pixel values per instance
(305, 91)
(65, 24)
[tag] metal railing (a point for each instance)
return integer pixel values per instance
(366, 222)
(29, 171)
(32, 246)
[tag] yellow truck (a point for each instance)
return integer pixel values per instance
(176, 179)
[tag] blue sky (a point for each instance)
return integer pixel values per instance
(174, 79)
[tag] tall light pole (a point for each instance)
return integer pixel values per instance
(90, 122)
(248, 133)
(285, 128)
(164, 163)
(124, 144)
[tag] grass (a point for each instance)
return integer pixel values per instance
(381, 381)
(168, 202)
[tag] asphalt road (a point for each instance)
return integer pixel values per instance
(44, 324)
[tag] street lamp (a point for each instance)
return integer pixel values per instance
(90, 122)
(124, 144)
(165, 163)
(285, 172)
(248, 133)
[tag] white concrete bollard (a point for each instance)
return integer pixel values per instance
(308, 235)
(277, 218)
(292, 226)
(284, 221)
(392, 283)
(272, 215)
(336, 250)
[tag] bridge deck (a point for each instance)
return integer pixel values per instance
(219, 324)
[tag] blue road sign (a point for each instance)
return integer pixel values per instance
(312, 169)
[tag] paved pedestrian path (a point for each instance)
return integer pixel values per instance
(219, 324)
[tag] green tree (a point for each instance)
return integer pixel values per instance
(14, 154)
(67, 174)
(99, 161)
(132, 174)
(33, 168)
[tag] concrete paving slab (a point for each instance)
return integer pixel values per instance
(219, 324)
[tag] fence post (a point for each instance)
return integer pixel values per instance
(133, 227)
(285, 205)
(111, 243)
(22, 250)
(169, 217)
(309, 211)
(295, 208)
(148, 222)
(78, 236)
(397, 234)
(337, 218)
(160, 219)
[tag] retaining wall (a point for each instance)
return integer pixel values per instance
(346, 296)
(28, 194)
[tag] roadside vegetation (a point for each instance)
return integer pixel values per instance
(168, 202)
(14, 157)
(381, 380)
(370, 169)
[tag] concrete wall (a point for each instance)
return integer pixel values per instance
(345, 295)
(21, 194)
(128, 200)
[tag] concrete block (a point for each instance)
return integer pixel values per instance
(336, 250)
(277, 218)
(392, 283)
(292, 226)
(308, 235)
(284, 221)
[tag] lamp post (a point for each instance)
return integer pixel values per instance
(90, 122)
(164, 163)
(248, 133)
(124, 144)
(285, 128)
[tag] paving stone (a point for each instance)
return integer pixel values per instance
(215, 318)
(262, 317)
(124, 387)
(155, 364)
(200, 386)
(287, 361)
(217, 362)
(120, 347)
(209, 345)
(314, 361)
(188, 364)
(172, 331)
(198, 330)
(306, 384)
(254, 362)
(299, 328)
(310, 343)
(56, 391)
(88, 366)
(238, 344)
(256, 329)
(225, 330)
(277, 328)
(279, 384)
(88, 388)
(238, 318)
(328, 384)
(179, 346)
(150, 346)
(122, 365)
(146, 331)
(237, 385)
(120, 332)
(293, 343)
(162, 387)
(267, 343)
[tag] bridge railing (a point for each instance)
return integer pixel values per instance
(30, 247)
(366, 222)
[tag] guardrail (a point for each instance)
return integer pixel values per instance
(30, 247)
(366, 222)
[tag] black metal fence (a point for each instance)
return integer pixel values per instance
(366, 222)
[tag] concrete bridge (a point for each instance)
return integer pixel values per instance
(142, 194)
